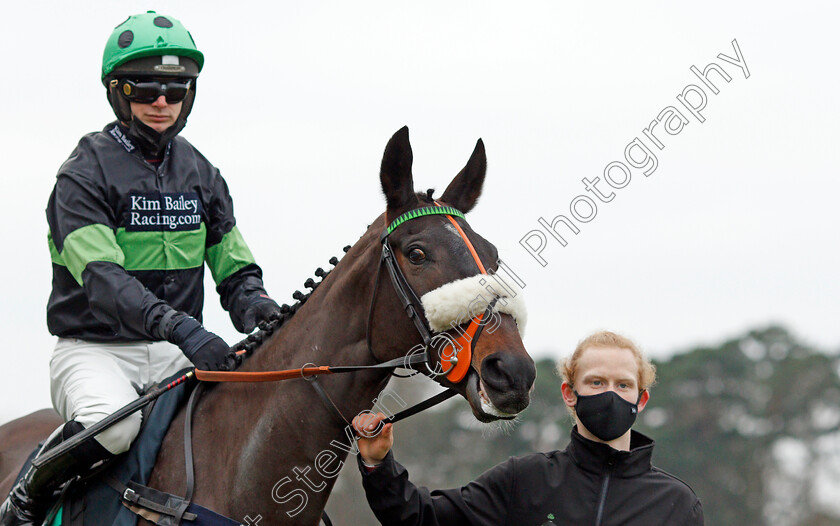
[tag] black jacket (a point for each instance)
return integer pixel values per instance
(129, 240)
(587, 484)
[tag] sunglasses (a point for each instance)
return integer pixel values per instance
(148, 91)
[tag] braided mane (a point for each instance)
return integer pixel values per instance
(253, 341)
(266, 329)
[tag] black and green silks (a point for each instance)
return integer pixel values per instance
(129, 240)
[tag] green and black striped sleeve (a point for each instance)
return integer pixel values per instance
(83, 239)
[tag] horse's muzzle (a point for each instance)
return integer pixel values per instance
(507, 379)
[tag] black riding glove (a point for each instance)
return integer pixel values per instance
(264, 309)
(203, 348)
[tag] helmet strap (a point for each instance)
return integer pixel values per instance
(121, 107)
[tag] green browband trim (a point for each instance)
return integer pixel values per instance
(420, 212)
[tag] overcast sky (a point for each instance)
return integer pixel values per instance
(735, 228)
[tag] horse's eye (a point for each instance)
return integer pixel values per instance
(416, 256)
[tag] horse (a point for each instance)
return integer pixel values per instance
(273, 450)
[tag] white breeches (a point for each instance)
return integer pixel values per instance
(89, 381)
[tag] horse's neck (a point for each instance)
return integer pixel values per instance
(330, 327)
(280, 430)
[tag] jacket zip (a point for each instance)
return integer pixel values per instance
(603, 499)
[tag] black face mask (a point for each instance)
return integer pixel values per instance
(606, 415)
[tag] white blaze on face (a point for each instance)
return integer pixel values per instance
(449, 226)
(459, 301)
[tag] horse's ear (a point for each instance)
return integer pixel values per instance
(464, 190)
(395, 173)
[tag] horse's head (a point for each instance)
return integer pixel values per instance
(448, 269)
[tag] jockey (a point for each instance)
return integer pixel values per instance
(135, 213)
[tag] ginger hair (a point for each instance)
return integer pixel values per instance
(647, 371)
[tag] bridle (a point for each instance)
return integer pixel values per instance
(454, 366)
(454, 359)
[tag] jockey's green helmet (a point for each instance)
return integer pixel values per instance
(138, 47)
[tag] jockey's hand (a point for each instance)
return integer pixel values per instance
(265, 309)
(214, 355)
(203, 348)
(375, 438)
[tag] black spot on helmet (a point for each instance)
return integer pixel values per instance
(162, 21)
(126, 38)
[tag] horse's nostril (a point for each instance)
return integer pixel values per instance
(505, 372)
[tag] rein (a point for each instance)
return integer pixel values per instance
(410, 301)
(303, 372)
(450, 364)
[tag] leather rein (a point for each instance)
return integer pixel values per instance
(451, 364)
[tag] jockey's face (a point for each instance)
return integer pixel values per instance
(158, 115)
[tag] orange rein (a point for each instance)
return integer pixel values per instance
(266, 376)
(458, 367)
